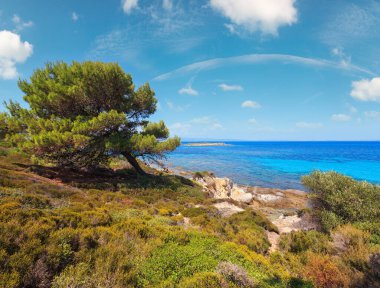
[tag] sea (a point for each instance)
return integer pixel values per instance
(279, 164)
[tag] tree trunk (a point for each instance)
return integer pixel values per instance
(135, 164)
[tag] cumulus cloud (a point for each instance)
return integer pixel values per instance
(12, 51)
(258, 15)
(226, 87)
(129, 5)
(309, 125)
(189, 91)
(366, 89)
(340, 117)
(250, 104)
(20, 24)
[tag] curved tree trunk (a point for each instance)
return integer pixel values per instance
(135, 164)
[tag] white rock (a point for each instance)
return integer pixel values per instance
(239, 194)
(224, 188)
(227, 209)
(268, 197)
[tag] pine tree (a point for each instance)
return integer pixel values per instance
(81, 114)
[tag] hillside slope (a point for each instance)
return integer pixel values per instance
(113, 228)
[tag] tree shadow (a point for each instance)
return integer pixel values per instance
(108, 179)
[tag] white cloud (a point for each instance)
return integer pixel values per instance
(340, 117)
(189, 91)
(74, 16)
(260, 58)
(337, 51)
(207, 122)
(129, 5)
(252, 121)
(309, 125)
(20, 25)
(344, 59)
(174, 107)
(202, 120)
(348, 23)
(372, 114)
(217, 126)
(366, 90)
(167, 4)
(226, 87)
(197, 126)
(258, 15)
(12, 51)
(178, 126)
(250, 104)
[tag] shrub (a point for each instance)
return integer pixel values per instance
(328, 220)
(202, 280)
(325, 273)
(252, 219)
(77, 276)
(202, 174)
(255, 240)
(301, 241)
(235, 274)
(349, 200)
(352, 244)
(173, 261)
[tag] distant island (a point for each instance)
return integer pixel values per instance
(206, 144)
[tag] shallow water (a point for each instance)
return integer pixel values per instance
(281, 164)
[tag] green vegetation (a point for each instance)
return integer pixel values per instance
(348, 212)
(63, 228)
(340, 199)
(83, 114)
(118, 229)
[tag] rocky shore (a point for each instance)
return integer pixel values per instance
(285, 208)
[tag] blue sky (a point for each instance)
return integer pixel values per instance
(221, 69)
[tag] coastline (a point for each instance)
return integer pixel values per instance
(287, 209)
(283, 207)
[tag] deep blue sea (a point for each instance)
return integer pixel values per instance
(280, 164)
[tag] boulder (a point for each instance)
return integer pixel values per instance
(223, 188)
(239, 194)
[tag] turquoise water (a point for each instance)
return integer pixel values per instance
(281, 164)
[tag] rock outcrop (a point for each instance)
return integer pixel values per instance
(227, 209)
(223, 188)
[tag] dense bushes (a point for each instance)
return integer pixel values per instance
(301, 241)
(67, 233)
(341, 199)
(161, 231)
(349, 211)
